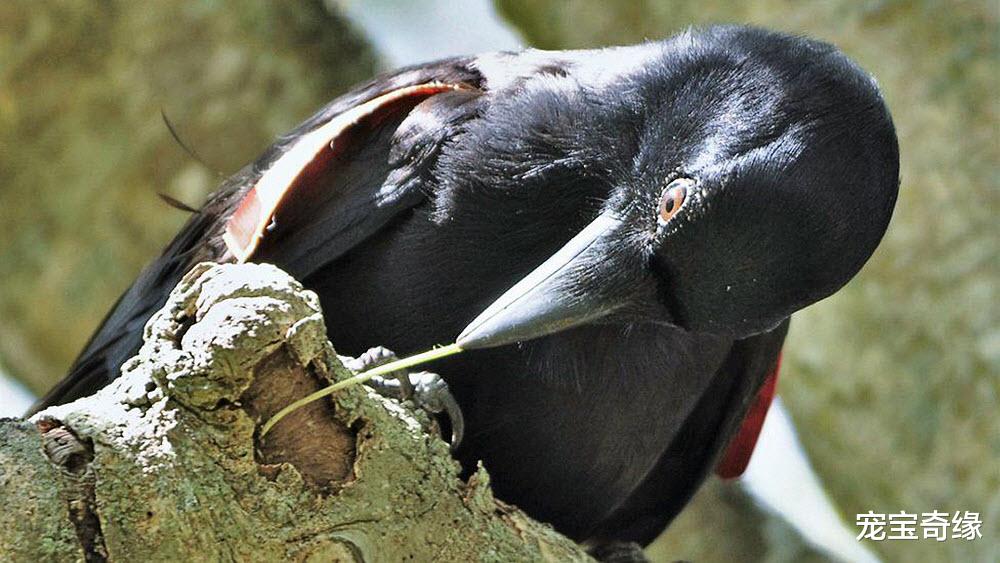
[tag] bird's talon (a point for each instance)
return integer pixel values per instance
(432, 394)
(426, 390)
(396, 384)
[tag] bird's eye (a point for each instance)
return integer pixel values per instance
(673, 198)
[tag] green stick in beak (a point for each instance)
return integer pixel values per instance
(542, 303)
(362, 377)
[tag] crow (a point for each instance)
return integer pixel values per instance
(617, 237)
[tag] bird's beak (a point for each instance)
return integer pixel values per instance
(552, 297)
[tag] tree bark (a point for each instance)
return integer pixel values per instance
(166, 463)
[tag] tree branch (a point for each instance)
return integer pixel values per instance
(164, 463)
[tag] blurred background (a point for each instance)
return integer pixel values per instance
(892, 385)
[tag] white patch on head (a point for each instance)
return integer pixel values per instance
(603, 67)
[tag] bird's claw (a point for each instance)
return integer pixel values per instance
(432, 394)
(428, 391)
(395, 385)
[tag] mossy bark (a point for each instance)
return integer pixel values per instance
(166, 463)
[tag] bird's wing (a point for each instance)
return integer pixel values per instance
(311, 196)
(340, 183)
(704, 441)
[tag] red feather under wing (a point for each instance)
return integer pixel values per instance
(734, 462)
(307, 157)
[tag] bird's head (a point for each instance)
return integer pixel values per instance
(750, 174)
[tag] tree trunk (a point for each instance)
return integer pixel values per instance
(166, 464)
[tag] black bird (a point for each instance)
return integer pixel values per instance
(638, 224)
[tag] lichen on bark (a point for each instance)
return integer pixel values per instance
(165, 462)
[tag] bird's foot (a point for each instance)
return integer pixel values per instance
(618, 552)
(394, 385)
(426, 390)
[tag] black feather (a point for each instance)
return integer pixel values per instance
(187, 148)
(176, 203)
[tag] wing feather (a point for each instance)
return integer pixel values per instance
(233, 222)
